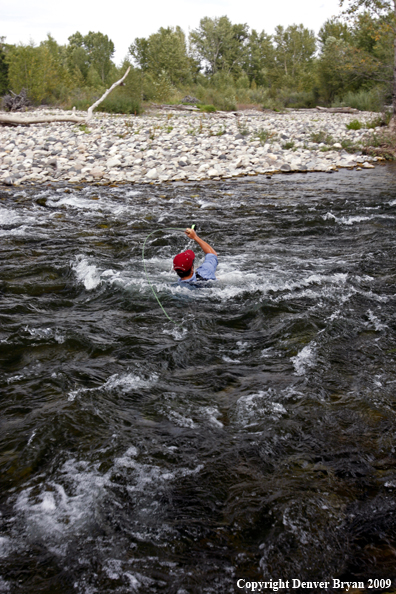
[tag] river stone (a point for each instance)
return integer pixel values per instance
(178, 151)
(97, 172)
(285, 167)
(113, 162)
(152, 174)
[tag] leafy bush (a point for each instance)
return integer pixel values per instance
(206, 108)
(114, 103)
(289, 98)
(354, 125)
(224, 102)
(298, 99)
(372, 100)
(120, 104)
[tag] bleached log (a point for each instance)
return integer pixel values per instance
(103, 97)
(9, 120)
(12, 120)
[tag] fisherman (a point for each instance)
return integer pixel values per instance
(183, 264)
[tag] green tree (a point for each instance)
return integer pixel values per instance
(260, 60)
(100, 50)
(77, 56)
(374, 35)
(385, 10)
(88, 52)
(35, 69)
(295, 49)
(4, 82)
(220, 45)
(344, 68)
(334, 28)
(163, 55)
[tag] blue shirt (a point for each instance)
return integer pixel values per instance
(206, 271)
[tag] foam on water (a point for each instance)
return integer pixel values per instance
(4, 586)
(96, 206)
(252, 409)
(229, 360)
(5, 546)
(125, 383)
(213, 415)
(88, 274)
(46, 334)
(11, 216)
(19, 231)
(128, 382)
(144, 475)
(376, 322)
(76, 202)
(63, 507)
(305, 359)
(176, 332)
(115, 570)
(347, 220)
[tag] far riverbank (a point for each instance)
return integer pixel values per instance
(183, 146)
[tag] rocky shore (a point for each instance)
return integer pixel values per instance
(161, 146)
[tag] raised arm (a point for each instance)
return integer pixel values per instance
(202, 244)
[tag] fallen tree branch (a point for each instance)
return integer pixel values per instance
(11, 120)
(103, 97)
(337, 109)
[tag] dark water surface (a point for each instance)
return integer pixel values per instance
(257, 441)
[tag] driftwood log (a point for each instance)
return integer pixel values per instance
(337, 109)
(19, 120)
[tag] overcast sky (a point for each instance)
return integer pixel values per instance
(123, 20)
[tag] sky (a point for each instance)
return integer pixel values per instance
(123, 20)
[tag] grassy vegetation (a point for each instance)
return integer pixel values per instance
(381, 143)
(121, 104)
(372, 100)
(206, 108)
(354, 125)
(115, 103)
(349, 146)
(265, 136)
(321, 136)
(84, 128)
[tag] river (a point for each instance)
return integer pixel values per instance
(254, 438)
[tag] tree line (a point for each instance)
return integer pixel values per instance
(349, 61)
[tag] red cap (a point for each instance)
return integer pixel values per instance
(183, 261)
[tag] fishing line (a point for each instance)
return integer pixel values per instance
(147, 276)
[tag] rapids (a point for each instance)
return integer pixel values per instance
(255, 440)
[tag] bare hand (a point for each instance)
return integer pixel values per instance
(191, 233)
